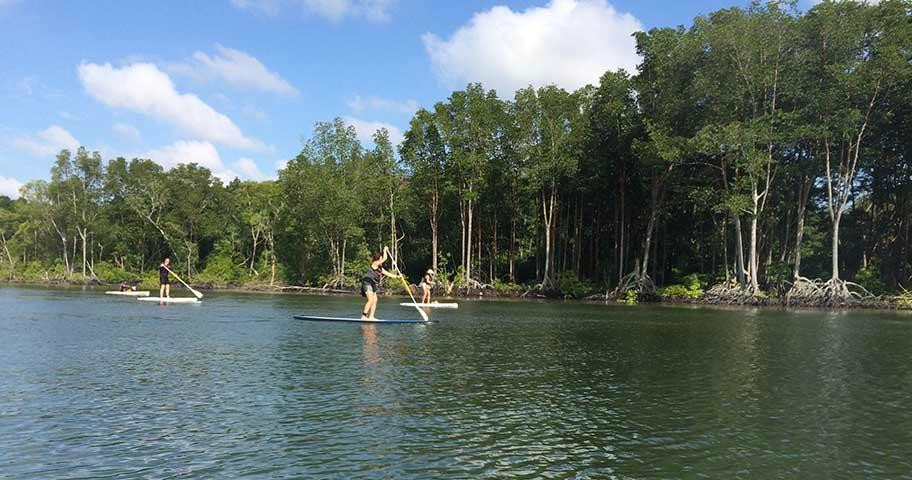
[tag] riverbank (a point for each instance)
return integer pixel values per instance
(515, 292)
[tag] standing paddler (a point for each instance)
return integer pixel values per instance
(370, 284)
(164, 281)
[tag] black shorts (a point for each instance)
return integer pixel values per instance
(164, 281)
(368, 285)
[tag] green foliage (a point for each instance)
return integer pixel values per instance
(106, 272)
(629, 298)
(720, 124)
(507, 289)
(569, 285)
(222, 266)
(690, 288)
(869, 278)
(904, 299)
(149, 281)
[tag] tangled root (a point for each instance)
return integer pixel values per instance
(732, 293)
(834, 292)
(642, 284)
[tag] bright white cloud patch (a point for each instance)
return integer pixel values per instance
(142, 87)
(381, 104)
(335, 10)
(203, 154)
(47, 142)
(127, 132)
(249, 169)
(366, 129)
(237, 68)
(569, 43)
(10, 187)
(206, 155)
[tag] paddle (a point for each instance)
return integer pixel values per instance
(194, 292)
(405, 284)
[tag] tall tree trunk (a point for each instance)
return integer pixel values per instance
(394, 240)
(754, 258)
(739, 250)
(433, 220)
(803, 192)
(548, 204)
(513, 249)
(836, 221)
(468, 264)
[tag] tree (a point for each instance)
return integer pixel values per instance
(423, 152)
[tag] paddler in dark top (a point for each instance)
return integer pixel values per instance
(370, 284)
(164, 282)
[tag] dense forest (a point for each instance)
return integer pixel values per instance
(761, 152)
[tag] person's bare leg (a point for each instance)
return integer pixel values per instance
(366, 310)
(373, 307)
(161, 291)
(168, 290)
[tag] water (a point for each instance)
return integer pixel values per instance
(95, 386)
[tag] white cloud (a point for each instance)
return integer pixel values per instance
(568, 43)
(10, 187)
(381, 104)
(47, 142)
(128, 132)
(366, 129)
(203, 154)
(206, 155)
(142, 87)
(238, 68)
(249, 169)
(335, 10)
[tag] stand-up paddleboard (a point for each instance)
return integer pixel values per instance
(169, 300)
(130, 293)
(430, 305)
(314, 318)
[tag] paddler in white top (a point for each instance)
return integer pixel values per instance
(426, 284)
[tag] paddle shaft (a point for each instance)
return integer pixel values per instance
(405, 284)
(194, 292)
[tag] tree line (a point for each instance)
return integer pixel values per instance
(761, 151)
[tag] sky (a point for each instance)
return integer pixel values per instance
(237, 85)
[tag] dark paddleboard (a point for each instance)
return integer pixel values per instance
(314, 318)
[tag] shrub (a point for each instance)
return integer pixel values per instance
(630, 298)
(507, 288)
(691, 288)
(107, 272)
(869, 278)
(570, 286)
(221, 269)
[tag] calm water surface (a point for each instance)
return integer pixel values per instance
(95, 386)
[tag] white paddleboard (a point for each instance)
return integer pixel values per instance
(130, 293)
(169, 300)
(313, 318)
(430, 305)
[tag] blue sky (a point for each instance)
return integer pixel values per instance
(236, 84)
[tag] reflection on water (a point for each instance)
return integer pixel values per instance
(96, 387)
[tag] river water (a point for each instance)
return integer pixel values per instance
(95, 386)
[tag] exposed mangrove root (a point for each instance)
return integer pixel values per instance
(732, 293)
(642, 284)
(834, 292)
